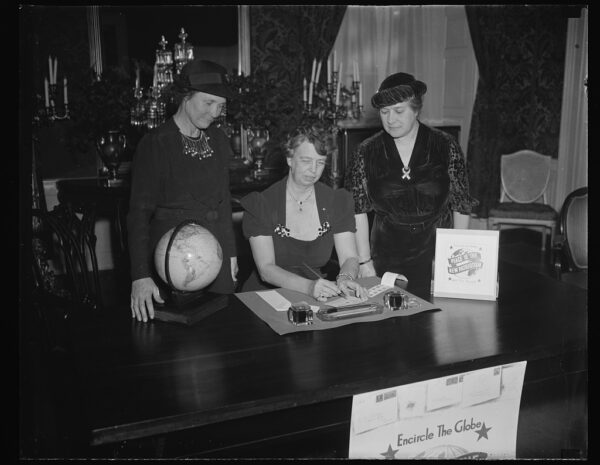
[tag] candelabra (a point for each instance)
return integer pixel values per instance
(333, 102)
(50, 112)
(184, 52)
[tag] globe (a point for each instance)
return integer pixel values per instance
(194, 257)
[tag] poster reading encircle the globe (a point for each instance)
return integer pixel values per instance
(468, 415)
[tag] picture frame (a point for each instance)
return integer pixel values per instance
(466, 264)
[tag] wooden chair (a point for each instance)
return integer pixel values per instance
(570, 249)
(524, 175)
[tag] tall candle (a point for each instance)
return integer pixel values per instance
(314, 67)
(50, 69)
(339, 84)
(354, 72)
(328, 70)
(66, 98)
(310, 93)
(318, 72)
(357, 73)
(55, 66)
(334, 59)
(360, 95)
(304, 91)
(137, 77)
(46, 93)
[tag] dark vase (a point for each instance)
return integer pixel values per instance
(111, 149)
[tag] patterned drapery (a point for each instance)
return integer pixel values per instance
(285, 40)
(520, 52)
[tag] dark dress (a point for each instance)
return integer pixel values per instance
(169, 187)
(264, 215)
(406, 212)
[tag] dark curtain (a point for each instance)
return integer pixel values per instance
(285, 39)
(520, 52)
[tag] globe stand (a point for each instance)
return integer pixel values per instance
(189, 307)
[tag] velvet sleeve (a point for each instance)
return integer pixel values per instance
(356, 182)
(343, 212)
(145, 185)
(460, 198)
(256, 219)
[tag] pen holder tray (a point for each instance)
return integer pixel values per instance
(349, 311)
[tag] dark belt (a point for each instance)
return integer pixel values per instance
(413, 228)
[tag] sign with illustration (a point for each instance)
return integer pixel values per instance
(468, 415)
(466, 264)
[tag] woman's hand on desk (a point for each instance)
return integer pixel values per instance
(352, 289)
(323, 289)
(142, 292)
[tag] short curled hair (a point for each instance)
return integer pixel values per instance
(323, 139)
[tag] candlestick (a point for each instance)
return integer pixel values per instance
(314, 67)
(337, 92)
(310, 93)
(55, 66)
(65, 99)
(50, 69)
(46, 93)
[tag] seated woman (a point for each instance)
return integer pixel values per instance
(294, 224)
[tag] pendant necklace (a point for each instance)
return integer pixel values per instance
(405, 173)
(300, 202)
(196, 146)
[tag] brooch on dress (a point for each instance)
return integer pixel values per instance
(324, 228)
(282, 231)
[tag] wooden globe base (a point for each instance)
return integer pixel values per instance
(189, 307)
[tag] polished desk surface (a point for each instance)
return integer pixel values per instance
(138, 379)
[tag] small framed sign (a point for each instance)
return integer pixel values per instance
(466, 264)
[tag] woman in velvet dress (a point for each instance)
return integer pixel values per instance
(294, 224)
(413, 178)
(180, 171)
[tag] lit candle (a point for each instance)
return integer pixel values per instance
(46, 93)
(328, 70)
(314, 66)
(50, 69)
(310, 93)
(66, 98)
(318, 72)
(55, 66)
(304, 91)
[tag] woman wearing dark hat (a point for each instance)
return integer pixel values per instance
(413, 178)
(180, 171)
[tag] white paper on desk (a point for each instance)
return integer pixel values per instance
(443, 392)
(411, 401)
(389, 279)
(481, 386)
(275, 300)
(374, 409)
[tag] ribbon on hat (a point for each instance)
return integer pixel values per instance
(206, 78)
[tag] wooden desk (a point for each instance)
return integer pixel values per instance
(231, 386)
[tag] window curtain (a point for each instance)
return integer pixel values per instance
(388, 39)
(284, 42)
(520, 52)
(572, 171)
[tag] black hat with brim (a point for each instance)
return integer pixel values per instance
(205, 76)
